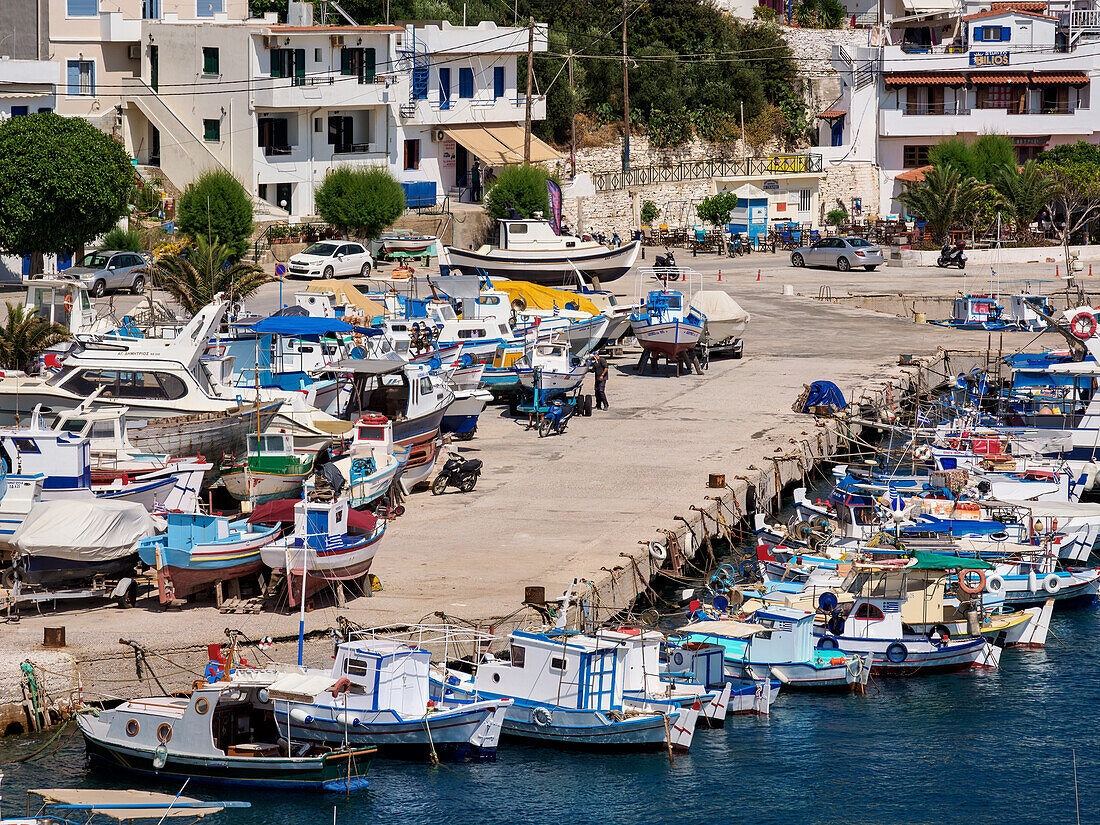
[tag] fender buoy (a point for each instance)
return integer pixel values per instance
(542, 716)
(657, 551)
(69, 302)
(995, 585)
(972, 589)
(897, 653)
(827, 601)
(1083, 325)
(923, 452)
(939, 634)
(836, 624)
(1054, 525)
(1052, 584)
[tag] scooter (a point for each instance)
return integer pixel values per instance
(457, 472)
(666, 262)
(556, 418)
(952, 255)
(739, 246)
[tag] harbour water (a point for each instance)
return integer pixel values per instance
(976, 747)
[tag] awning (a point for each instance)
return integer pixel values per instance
(500, 144)
(929, 6)
(999, 78)
(1061, 78)
(832, 114)
(925, 80)
(347, 294)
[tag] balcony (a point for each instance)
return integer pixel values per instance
(30, 72)
(333, 91)
(114, 28)
(935, 120)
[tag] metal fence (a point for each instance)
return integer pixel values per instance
(707, 168)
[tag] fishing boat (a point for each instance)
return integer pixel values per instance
(777, 642)
(551, 369)
(377, 693)
(530, 250)
(412, 244)
(222, 733)
(725, 322)
(567, 690)
(665, 325)
(461, 417)
(320, 552)
(271, 470)
(408, 395)
(198, 550)
(371, 464)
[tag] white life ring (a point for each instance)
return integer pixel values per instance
(542, 716)
(1052, 584)
(995, 585)
(657, 551)
(923, 452)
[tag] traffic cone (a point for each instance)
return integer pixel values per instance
(758, 274)
(720, 274)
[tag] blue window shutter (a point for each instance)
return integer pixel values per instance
(72, 77)
(466, 83)
(498, 82)
(444, 88)
(1006, 33)
(91, 74)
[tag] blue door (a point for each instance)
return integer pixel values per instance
(599, 692)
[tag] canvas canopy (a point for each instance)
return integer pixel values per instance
(939, 561)
(299, 687)
(544, 297)
(130, 804)
(501, 144)
(300, 325)
(348, 294)
(731, 629)
(87, 530)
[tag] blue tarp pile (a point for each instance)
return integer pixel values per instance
(822, 394)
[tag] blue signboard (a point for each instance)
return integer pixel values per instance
(989, 58)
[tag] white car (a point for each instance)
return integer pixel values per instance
(332, 259)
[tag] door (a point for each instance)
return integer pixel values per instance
(345, 260)
(154, 68)
(601, 680)
(838, 250)
(154, 145)
(282, 195)
(462, 165)
(813, 254)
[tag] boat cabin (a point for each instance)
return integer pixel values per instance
(393, 389)
(788, 636)
(642, 669)
(316, 522)
(62, 458)
(533, 235)
(66, 302)
(976, 309)
(393, 675)
(564, 670)
(1021, 310)
(372, 438)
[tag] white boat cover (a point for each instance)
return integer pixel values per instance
(1065, 509)
(87, 530)
(299, 687)
(725, 317)
(131, 804)
(725, 627)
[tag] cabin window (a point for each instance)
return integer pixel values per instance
(517, 229)
(425, 386)
(370, 433)
(306, 350)
(864, 515)
(26, 445)
(150, 386)
(557, 664)
(164, 732)
(869, 613)
(355, 667)
(202, 706)
(132, 727)
(488, 299)
(519, 655)
(765, 634)
(101, 429)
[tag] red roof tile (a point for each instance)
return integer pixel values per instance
(833, 113)
(995, 12)
(926, 79)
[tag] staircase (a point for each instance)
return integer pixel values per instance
(415, 61)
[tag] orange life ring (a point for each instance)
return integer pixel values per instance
(971, 589)
(341, 686)
(69, 302)
(1083, 325)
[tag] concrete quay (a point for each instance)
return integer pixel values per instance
(585, 504)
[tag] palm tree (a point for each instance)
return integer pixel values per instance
(944, 199)
(202, 270)
(1025, 192)
(26, 336)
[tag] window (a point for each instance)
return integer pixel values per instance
(556, 663)
(26, 445)
(868, 612)
(997, 96)
(356, 667)
(412, 154)
(289, 63)
(425, 386)
(316, 55)
(915, 156)
(150, 9)
(318, 125)
(44, 110)
(466, 83)
(19, 111)
(498, 82)
(358, 63)
(210, 61)
(340, 133)
(804, 199)
(208, 8)
(273, 135)
(82, 8)
(212, 130)
(992, 34)
(153, 386)
(81, 77)
(518, 656)
(444, 88)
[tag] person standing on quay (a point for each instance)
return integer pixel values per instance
(475, 182)
(599, 367)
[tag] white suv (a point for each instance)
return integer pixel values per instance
(332, 259)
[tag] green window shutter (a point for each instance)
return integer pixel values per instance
(368, 64)
(277, 63)
(300, 66)
(210, 61)
(212, 130)
(345, 60)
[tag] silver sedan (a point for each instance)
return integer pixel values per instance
(843, 253)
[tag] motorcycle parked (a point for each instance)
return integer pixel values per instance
(952, 255)
(739, 246)
(555, 419)
(457, 472)
(667, 263)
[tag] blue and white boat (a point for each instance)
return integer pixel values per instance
(666, 325)
(567, 689)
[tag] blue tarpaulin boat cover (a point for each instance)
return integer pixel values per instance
(824, 394)
(299, 325)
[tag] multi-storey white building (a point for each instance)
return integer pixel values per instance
(1023, 69)
(192, 85)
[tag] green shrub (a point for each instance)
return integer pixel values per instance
(835, 217)
(123, 240)
(360, 202)
(669, 128)
(649, 212)
(522, 188)
(717, 209)
(217, 204)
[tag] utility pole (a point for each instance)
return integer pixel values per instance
(626, 101)
(572, 118)
(530, 77)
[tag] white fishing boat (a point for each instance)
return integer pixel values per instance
(372, 462)
(412, 243)
(529, 250)
(551, 368)
(665, 325)
(272, 469)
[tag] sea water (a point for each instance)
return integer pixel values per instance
(973, 747)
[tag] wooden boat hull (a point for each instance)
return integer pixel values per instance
(206, 434)
(921, 656)
(672, 339)
(549, 267)
(328, 772)
(261, 488)
(419, 435)
(349, 561)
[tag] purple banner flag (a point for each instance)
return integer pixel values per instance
(554, 192)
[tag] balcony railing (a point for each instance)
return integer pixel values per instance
(352, 149)
(936, 109)
(708, 168)
(272, 150)
(923, 109)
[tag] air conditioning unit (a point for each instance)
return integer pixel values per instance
(337, 39)
(270, 41)
(438, 136)
(135, 51)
